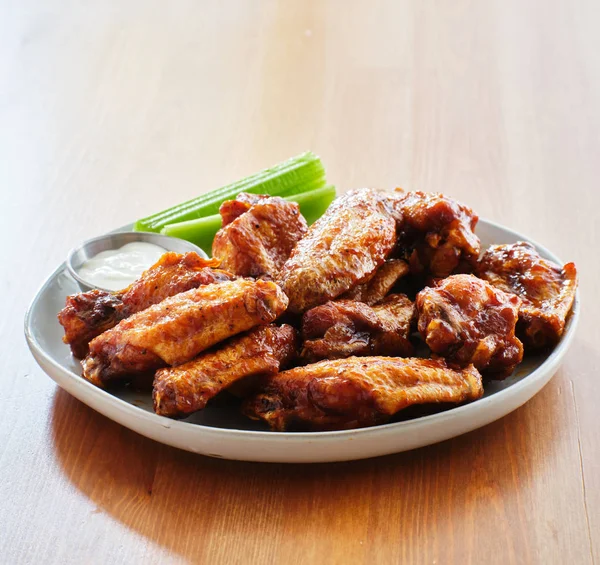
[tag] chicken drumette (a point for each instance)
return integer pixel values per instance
(258, 234)
(342, 328)
(467, 320)
(358, 392)
(547, 291)
(435, 233)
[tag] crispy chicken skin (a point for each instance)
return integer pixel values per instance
(435, 233)
(467, 320)
(232, 209)
(88, 314)
(172, 274)
(343, 328)
(181, 390)
(382, 282)
(341, 249)
(180, 327)
(258, 241)
(547, 291)
(358, 392)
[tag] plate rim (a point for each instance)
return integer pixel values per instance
(550, 364)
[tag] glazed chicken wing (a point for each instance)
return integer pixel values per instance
(382, 282)
(180, 327)
(88, 314)
(341, 249)
(342, 328)
(435, 233)
(232, 209)
(358, 392)
(258, 235)
(466, 320)
(181, 390)
(547, 291)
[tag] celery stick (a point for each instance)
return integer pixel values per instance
(299, 174)
(314, 203)
(201, 231)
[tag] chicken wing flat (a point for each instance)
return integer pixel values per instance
(172, 274)
(547, 291)
(259, 240)
(88, 314)
(358, 392)
(181, 390)
(382, 282)
(180, 327)
(467, 320)
(343, 328)
(436, 234)
(343, 248)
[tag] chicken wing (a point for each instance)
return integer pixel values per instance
(180, 327)
(232, 209)
(382, 282)
(258, 241)
(88, 314)
(358, 392)
(184, 389)
(467, 320)
(435, 233)
(547, 291)
(342, 328)
(341, 249)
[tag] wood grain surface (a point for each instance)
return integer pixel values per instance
(112, 110)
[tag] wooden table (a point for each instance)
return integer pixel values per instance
(112, 110)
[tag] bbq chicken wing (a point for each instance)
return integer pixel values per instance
(467, 320)
(343, 328)
(180, 327)
(88, 314)
(172, 274)
(181, 390)
(382, 282)
(343, 248)
(232, 209)
(358, 392)
(547, 291)
(257, 238)
(435, 233)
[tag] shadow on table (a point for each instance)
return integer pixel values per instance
(186, 502)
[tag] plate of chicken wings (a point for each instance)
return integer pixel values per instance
(396, 320)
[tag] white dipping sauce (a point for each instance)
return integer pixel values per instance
(117, 268)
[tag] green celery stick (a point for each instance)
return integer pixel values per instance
(304, 172)
(201, 231)
(314, 203)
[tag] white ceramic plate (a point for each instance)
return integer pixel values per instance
(220, 431)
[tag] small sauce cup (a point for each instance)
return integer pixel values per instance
(90, 248)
